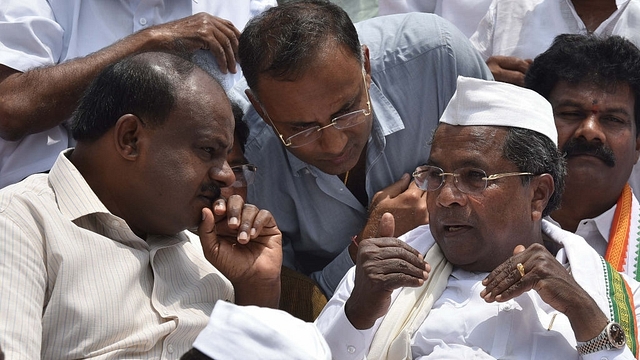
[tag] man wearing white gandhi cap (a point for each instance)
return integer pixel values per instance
(497, 280)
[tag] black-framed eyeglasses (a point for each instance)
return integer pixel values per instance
(468, 180)
(245, 175)
(341, 122)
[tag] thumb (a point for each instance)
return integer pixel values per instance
(387, 225)
(518, 249)
(207, 227)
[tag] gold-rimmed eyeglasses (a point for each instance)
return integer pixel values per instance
(341, 122)
(468, 180)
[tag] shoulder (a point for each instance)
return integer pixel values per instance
(26, 207)
(419, 40)
(406, 32)
(30, 191)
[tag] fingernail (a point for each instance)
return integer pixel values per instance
(253, 231)
(405, 176)
(243, 236)
(203, 215)
(425, 274)
(219, 206)
(233, 221)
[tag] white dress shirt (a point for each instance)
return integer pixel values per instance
(596, 232)
(76, 282)
(464, 14)
(526, 28)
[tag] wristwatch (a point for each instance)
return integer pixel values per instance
(611, 337)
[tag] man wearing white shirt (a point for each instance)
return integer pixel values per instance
(500, 281)
(515, 31)
(593, 85)
(464, 14)
(94, 259)
(51, 50)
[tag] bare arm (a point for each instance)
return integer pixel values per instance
(509, 69)
(42, 98)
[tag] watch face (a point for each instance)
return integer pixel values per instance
(616, 336)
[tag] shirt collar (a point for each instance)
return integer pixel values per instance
(74, 195)
(603, 222)
(386, 121)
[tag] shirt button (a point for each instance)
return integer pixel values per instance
(143, 21)
(506, 307)
(170, 349)
(351, 349)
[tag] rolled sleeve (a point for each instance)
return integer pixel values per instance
(29, 35)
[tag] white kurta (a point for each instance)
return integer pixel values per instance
(461, 325)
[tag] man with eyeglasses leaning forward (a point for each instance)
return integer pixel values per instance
(337, 127)
(497, 281)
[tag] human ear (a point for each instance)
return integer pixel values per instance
(127, 135)
(542, 187)
(365, 59)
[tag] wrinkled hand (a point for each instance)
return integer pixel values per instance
(405, 201)
(383, 265)
(554, 284)
(201, 31)
(244, 243)
(509, 69)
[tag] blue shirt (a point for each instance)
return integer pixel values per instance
(415, 60)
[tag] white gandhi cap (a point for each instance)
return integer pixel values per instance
(252, 332)
(495, 103)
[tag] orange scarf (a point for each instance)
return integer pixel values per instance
(619, 235)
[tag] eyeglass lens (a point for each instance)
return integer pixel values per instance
(467, 180)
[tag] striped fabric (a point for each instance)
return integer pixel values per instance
(76, 282)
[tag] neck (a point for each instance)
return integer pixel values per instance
(576, 207)
(594, 12)
(355, 179)
(96, 169)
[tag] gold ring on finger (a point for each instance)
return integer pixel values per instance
(520, 269)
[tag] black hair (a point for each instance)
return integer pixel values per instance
(284, 41)
(534, 152)
(145, 85)
(242, 129)
(587, 59)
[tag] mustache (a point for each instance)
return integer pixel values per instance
(579, 146)
(213, 189)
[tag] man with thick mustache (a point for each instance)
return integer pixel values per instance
(94, 259)
(593, 85)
